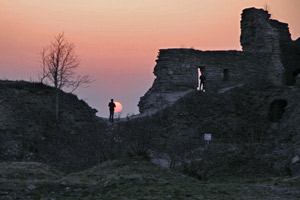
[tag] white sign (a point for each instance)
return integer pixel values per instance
(207, 136)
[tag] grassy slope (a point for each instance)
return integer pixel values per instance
(29, 131)
(132, 179)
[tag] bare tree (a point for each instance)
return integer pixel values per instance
(59, 63)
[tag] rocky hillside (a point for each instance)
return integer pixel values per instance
(30, 132)
(254, 131)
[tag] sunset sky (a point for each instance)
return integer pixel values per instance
(118, 40)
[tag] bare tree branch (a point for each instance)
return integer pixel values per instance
(59, 63)
(81, 81)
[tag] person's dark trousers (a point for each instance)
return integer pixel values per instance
(111, 116)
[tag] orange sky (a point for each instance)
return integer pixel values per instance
(118, 40)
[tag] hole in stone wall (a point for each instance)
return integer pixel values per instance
(225, 75)
(277, 109)
(201, 79)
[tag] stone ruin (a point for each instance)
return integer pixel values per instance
(269, 57)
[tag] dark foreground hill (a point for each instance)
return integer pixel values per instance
(30, 132)
(133, 179)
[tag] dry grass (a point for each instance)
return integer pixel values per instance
(133, 179)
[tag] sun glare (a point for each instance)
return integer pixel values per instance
(119, 107)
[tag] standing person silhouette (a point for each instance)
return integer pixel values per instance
(111, 106)
(202, 82)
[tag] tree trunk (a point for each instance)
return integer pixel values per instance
(56, 103)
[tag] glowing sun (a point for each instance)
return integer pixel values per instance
(118, 107)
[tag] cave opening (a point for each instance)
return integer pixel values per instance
(277, 109)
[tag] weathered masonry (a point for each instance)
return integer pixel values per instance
(269, 56)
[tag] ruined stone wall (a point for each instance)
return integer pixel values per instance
(269, 56)
(176, 73)
(291, 61)
(259, 34)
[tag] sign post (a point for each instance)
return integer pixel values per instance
(207, 138)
